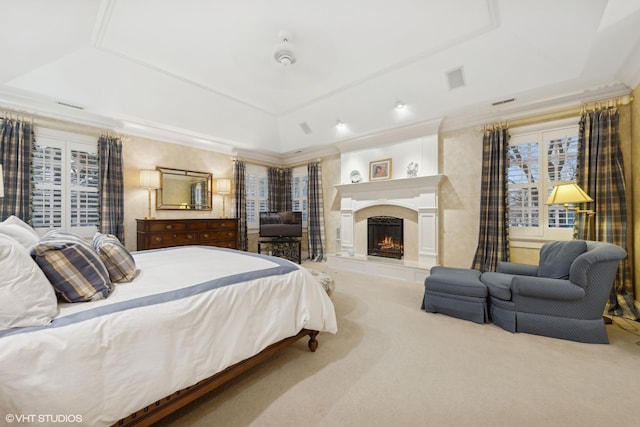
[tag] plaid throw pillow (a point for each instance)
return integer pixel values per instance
(72, 266)
(119, 262)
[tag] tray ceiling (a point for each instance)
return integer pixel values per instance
(203, 72)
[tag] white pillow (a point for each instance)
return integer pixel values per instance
(26, 296)
(19, 230)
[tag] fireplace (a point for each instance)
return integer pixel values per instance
(415, 200)
(385, 237)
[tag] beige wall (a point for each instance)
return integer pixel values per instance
(634, 187)
(459, 203)
(330, 177)
(141, 153)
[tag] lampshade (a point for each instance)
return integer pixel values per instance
(223, 186)
(149, 179)
(1, 182)
(568, 193)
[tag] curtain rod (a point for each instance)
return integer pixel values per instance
(57, 124)
(606, 104)
(273, 165)
(564, 113)
(14, 115)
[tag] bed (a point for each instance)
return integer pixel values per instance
(192, 318)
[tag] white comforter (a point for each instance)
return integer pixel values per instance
(100, 367)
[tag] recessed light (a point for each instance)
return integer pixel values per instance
(339, 123)
(399, 105)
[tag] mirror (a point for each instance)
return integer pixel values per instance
(182, 189)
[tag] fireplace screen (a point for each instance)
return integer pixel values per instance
(385, 237)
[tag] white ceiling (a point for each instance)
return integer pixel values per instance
(202, 72)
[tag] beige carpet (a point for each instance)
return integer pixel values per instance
(391, 364)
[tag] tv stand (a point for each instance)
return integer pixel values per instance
(284, 247)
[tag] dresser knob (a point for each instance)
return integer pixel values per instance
(168, 226)
(158, 239)
(206, 235)
(189, 236)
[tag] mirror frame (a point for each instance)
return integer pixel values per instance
(167, 172)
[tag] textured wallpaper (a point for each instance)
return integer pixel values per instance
(141, 153)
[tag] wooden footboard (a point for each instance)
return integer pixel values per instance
(175, 401)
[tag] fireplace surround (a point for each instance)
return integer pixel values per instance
(420, 195)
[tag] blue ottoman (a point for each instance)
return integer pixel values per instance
(457, 292)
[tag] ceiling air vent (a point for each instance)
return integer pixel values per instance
(305, 128)
(455, 78)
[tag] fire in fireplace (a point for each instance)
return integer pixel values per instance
(385, 236)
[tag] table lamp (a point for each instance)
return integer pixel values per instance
(149, 179)
(223, 186)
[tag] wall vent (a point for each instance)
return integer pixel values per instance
(504, 101)
(455, 78)
(305, 128)
(64, 104)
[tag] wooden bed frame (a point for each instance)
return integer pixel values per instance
(160, 409)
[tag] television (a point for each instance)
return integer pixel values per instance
(281, 224)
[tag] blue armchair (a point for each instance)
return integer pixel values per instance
(562, 297)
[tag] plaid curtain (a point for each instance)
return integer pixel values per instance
(16, 146)
(493, 239)
(601, 174)
(316, 213)
(111, 186)
(279, 189)
(239, 170)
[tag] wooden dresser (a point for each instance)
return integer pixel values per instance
(162, 233)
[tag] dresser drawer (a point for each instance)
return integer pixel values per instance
(231, 244)
(217, 235)
(166, 226)
(223, 224)
(156, 234)
(173, 239)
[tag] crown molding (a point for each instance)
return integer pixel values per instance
(521, 109)
(391, 135)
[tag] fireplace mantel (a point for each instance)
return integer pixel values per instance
(407, 186)
(419, 194)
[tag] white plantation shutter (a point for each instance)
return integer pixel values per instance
(65, 182)
(524, 183)
(256, 192)
(84, 198)
(299, 189)
(538, 161)
(46, 181)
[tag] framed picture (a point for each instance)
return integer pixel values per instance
(380, 169)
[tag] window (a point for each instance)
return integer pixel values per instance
(299, 189)
(256, 192)
(64, 182)
(538, 160)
